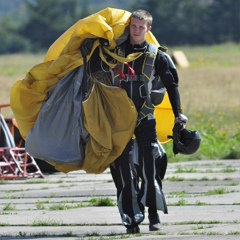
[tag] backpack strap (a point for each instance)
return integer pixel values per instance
(148, 69)
(149, 60)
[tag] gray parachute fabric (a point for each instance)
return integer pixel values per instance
(58, 135)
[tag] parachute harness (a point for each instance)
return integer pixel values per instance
(147, 70)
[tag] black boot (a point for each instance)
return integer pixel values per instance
(133, 230)
(154, 220)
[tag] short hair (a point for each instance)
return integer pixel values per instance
(142, 15)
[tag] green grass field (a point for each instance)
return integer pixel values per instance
(209, 91)
(210, 97)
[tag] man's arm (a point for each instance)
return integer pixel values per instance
(165, 68)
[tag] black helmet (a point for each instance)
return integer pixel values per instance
(185, 141)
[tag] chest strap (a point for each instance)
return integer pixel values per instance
(146, 75)
(147, 66)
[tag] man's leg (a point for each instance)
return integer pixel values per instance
(150, 153)
(126, 181)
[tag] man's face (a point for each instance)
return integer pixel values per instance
(138, 30)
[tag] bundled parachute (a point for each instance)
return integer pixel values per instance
(53, 115)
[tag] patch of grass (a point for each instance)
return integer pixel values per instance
(43, 234)
(102, 202)
(3, 225)
(229, 169)
(217, 191)
(40, 205)
(60, 206)
(41, 181)
(92, 234)
(48, 222)
(208, 179)
(175, 179)
(67, 185)
(197, 222)
(52, 195)
(198, 227)
(40, 234)
(199, 203)
(182, 202)
(9, 207)
(178, 194)
(159, 233)
(68, 234)
(211, 233)
(65, 206)
(234, 233)
(185, 170)
(17, 190)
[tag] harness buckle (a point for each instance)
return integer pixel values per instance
(142, 91)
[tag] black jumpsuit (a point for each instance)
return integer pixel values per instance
(149, 161)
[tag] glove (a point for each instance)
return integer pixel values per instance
(181, 118)
(176, 135)
(179, 125)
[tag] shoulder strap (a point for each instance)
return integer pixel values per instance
(149, 61)
(148, 66)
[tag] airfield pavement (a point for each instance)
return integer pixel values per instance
(203, 200)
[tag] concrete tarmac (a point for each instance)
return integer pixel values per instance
(203, 200)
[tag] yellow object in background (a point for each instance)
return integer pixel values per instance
(165, 120)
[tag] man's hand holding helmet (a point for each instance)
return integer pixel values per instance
(184, 141)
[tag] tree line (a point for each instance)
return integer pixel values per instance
(38, 23)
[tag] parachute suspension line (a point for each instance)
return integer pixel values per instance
(131, 72)
(104, 70)
(120, 72)
(89, 70)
